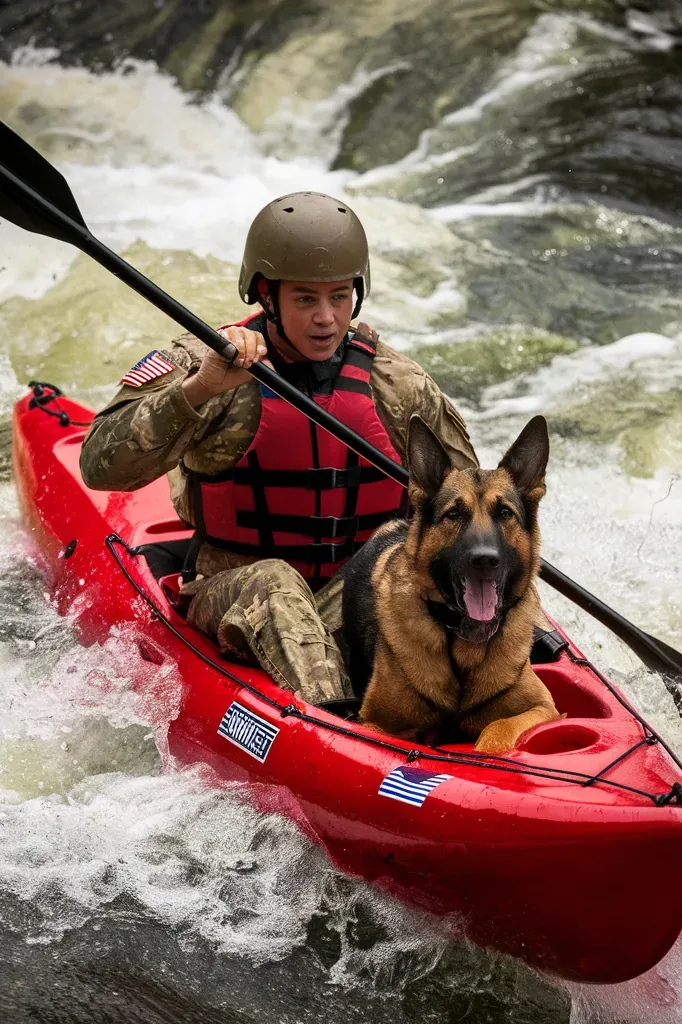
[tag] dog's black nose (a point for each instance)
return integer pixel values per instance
(484, 558)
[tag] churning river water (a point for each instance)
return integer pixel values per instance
(526, 250)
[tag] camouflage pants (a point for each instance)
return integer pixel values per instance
(266, 613)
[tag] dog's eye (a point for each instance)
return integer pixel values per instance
(452, 513)
(504, 512)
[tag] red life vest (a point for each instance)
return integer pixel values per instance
(298, 493)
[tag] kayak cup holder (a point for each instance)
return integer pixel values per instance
(560, 738)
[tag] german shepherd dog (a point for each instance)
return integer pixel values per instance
(439, 611)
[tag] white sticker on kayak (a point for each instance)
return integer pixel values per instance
(410, 785)
(253, 734)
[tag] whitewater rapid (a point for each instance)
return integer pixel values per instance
(95, 823)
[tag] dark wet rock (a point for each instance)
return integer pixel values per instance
(192, 41)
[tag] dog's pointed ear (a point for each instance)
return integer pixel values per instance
(527, 458)
(427, 459)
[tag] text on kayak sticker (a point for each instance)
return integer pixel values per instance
(246, 730)
(410, 785)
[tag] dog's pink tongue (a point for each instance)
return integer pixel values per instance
(480, 599)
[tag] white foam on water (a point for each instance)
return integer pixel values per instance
(469, 210)
(417, 161)
(314, 130)
(643, 33)
(189, 854)
(145, 162)
(643, 24)
(568, 374)
(10, 389)
(151, 164)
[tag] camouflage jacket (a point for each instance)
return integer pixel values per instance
(144, 431)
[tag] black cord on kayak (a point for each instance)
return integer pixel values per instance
(673, 797)
(480, 760)
(648, 731)
(41, 397)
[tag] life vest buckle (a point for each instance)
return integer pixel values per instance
(318, 554)
(323, 479)
(326, 479)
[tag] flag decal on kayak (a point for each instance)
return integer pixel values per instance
(153, 365)
(253, 734)
(410, 785)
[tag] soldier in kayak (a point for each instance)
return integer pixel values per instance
(278, 504)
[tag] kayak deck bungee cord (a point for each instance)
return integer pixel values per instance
(490, 761)
(557, 853)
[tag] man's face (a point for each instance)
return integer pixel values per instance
(316, 316)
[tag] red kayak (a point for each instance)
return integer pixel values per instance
(565, 852)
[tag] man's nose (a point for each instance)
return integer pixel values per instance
(324, 314)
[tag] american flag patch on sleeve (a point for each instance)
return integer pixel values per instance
(410, 785)
(153, 365)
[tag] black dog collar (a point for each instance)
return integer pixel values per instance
(451, 618)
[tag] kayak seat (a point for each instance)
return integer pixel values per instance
(166, 557)
(347, 708)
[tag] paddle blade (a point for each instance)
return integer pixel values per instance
(670, 658)
(24, 162)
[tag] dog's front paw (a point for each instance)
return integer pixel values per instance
(498, 738)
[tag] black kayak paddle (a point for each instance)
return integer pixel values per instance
(34, 195)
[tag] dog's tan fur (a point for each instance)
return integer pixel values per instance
(425, 677)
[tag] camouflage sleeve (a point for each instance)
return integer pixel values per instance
(440, 414)
(143, 431)
(402, 388)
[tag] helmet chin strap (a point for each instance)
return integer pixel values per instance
(359, 286)
(274, 315)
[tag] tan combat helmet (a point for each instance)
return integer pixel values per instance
(305, 236)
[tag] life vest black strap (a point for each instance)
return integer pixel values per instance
(351, 502)
(262, 517)
(312, 554)
(312, 479)
(358, 357)
(363, 343)
(316, 526)
(359, 387)
(189, 568)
